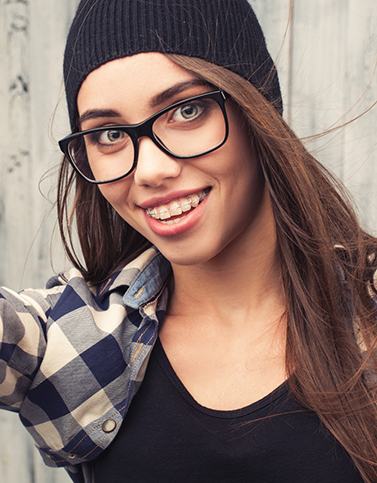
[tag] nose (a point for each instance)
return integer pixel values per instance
(153, 165)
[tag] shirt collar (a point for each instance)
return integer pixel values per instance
(145, 277)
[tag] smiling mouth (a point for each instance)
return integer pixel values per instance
(175, 211)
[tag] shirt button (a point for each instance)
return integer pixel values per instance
(109, 425)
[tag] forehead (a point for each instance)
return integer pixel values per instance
(130, 82)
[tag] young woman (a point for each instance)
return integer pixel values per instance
(220, 325)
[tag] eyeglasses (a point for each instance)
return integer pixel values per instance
(187, 129)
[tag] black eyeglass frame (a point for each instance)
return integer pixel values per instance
(143, 129)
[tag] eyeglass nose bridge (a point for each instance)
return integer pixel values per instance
(145, 129)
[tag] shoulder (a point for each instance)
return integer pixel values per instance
(94, 362)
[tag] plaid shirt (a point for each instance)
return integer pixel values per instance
(72, 357)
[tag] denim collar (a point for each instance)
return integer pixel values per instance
(143, 279)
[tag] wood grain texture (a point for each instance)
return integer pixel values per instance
(326, 56)
(32, 36)
(327, 66)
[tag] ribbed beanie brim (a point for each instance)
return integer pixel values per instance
(222, 32)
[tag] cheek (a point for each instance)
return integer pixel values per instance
(117, 194)
(245, 167)
(246, 170)
(240, 140)
(110, 194)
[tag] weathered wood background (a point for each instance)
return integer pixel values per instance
(326, 56)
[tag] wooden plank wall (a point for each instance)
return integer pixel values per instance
(327, 65)
(32, 36)
(326, 52)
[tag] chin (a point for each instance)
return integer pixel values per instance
(186, 257)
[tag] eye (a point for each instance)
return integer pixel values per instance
(187, 112)
(110, 136)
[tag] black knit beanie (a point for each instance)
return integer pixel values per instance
(223, 32)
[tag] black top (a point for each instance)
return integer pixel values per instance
(167, 437)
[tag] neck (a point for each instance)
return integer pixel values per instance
(240, 284)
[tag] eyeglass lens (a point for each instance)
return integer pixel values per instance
(187, 130)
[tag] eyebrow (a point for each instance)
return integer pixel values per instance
(174, 90)
(155, 101)
(97, 113)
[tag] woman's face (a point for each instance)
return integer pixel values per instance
(235, 211)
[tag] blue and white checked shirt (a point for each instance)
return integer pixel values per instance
(72, 357)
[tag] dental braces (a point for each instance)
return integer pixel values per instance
(192, 201)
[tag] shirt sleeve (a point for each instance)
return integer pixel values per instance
(23, 319)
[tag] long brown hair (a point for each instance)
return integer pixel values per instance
(106, 241)
(326, 263)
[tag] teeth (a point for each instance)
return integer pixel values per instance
(194, 201)
(177, 207)
(172, 222)
(185, 204)
(164, 213)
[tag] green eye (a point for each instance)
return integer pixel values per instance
(190, 111)
(108, 139)
(111, 136)
(187, 112)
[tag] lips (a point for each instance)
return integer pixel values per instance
(172, 212)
